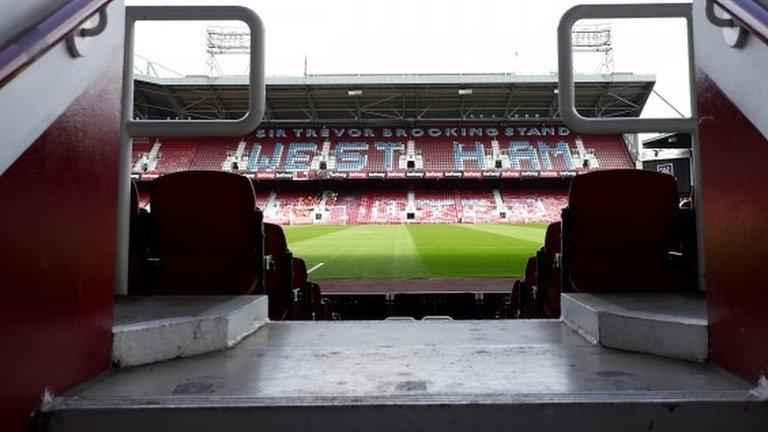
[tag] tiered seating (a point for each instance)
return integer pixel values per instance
(367, 154)
(292, 208)
(430, 206)
(140, 146)
(176, 155)
(436, 207)
(437, 154)
(343, 208)
(478, 207)
(534, 206)
(383, 207)
(609, 151)
(211, 155)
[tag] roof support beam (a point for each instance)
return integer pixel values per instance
(220, 109)
(508, 106)
(174, 103)
(311, 102)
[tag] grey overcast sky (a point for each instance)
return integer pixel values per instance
(426, 36)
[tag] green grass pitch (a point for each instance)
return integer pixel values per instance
(415, 251)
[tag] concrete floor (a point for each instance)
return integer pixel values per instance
(409, 363)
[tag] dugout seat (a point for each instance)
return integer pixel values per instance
(528, 290)
(310, 305)
(209, 236)
(618, 230)
(279, 272)
(548, 271)
(520, 301)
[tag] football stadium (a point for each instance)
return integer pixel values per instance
(424, 231)
(443, 185)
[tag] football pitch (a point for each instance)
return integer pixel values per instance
(415, 251)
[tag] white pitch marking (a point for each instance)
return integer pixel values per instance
(315, 268)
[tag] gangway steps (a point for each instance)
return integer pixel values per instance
(413, 376)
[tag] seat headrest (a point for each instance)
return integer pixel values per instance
(204, 189)
(300, 276)
(530, 271)
(274, 239)
(636, 207)
(616, 190)
(195, 210)
(552, 243)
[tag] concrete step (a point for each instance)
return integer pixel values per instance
(412, 376)
(159, 328)
(668, 325)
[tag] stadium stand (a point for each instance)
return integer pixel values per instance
(176, 155)
(534, 205)
(374, 154)
(479, 206)
(436, 207)
(414, 205)
(383, 207)
(291, 207)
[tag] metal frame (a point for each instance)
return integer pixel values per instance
(257, 89)
(565, 68)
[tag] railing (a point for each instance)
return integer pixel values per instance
(752, 14)
(34, 41)
(567, 92)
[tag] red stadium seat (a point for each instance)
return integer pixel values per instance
(279, 272)
(311, 304)
(509, 307)
(520, 302)
(549, 272)
(209, 236)
(528, 289)
(618, 230)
